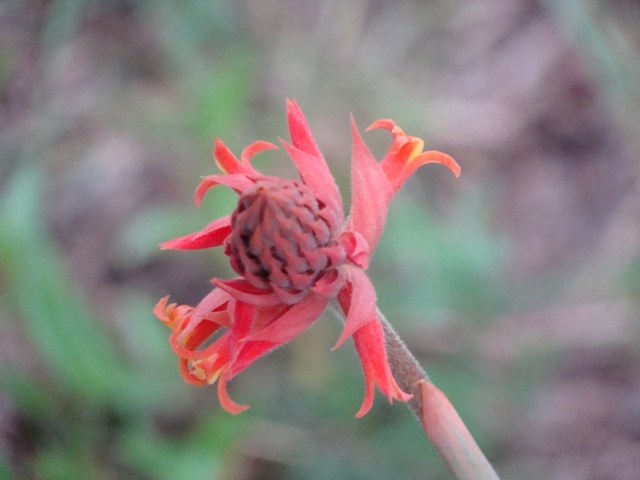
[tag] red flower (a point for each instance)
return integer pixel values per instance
(294, 251)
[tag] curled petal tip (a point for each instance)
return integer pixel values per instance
(384, 123)
(339, 343)
(228, 162)
(173, 244)
(242, 290)
(160, 310)
(434, 156)
(202, 188)
(213, 235)
(225, 401)
(367, 403)
(253, 149)
(363, 411)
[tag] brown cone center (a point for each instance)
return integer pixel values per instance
(284, 237)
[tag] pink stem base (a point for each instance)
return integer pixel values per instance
(438, 417)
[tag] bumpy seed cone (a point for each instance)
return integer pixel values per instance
(284, 238)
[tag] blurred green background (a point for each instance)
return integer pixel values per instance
(517, 286)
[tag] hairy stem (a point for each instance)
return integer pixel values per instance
(440, 421)
(404, 366)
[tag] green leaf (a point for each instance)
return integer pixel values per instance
(73, 343)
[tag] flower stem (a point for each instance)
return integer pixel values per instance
(439, 419)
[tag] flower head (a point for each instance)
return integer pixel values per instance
(293, 251)
(284, 238)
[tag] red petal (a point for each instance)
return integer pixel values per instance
(396, 161)
(315, 173)
(226, 402)
(356, 248)
(254, 148)
(292, 321)
(243, 314)
(433, 156)
(160, 311)
(240, 183)
(186, 374)
(214, 301)
(399, 168)
(398, 164)
(299, 130)
(172, 315)
(198, 336)
(249, 353)
(369, 342)
(242, 290)
(228, 162)
(385, 123)
(360, 304)
(219, 358)
(213, 235)
(286, 295)
(370, 192)
(330, 283)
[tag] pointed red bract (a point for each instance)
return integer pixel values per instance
(295, 252)
(369, 342)
(213, 235)
(213, 305)
(249, 353)
(256, 147)
(228, 162)
(405, 155)
(239, 183)
(183, 365)
(356, 248)
(171, 315)
(226, 402)
(199, 335)
(242, 290)
(315, 173)
(370, 192)
(360, 307)
(243, 314)
(291, 322)
(299, 130)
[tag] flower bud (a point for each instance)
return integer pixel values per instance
(284, 238)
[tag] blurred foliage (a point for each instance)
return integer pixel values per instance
(96, 393)
(88, 385)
